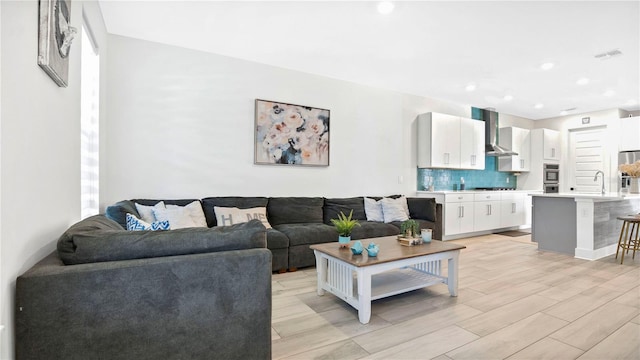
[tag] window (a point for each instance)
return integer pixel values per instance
(89, 126)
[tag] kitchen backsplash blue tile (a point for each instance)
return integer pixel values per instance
(445, 179)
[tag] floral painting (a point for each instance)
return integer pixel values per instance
(291, 134)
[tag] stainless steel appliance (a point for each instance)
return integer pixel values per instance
(627, 157)
(492, 148)
(551, 178)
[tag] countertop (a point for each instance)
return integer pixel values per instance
(593, 196)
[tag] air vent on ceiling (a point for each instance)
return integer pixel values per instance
(608, 54)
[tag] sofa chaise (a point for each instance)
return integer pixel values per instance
(109, 293)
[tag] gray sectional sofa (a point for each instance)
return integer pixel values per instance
(299, 222)
(108, 293)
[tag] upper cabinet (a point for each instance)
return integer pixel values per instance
(518, 140)
(447, 141)
(548, 141)
(630, 134)
(471, 144)
(551, 144)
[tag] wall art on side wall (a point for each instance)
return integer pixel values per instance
(54, 39)
(289, 134)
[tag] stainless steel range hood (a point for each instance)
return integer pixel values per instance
(491, 135)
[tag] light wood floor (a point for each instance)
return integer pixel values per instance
(514, 302)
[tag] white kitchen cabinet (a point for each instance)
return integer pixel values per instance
(472, 141)
(466, 213)
(518, 140)
(551, 144)
(629, 134)
(458, 214)
(442, 141)
(512, 209)
(486, 211)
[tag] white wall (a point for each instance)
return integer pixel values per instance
(181, 125)
(39, 149)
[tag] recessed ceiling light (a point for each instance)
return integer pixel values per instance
(547, 66)
(385, 7)
(564, 112)
(470, 87)
(609, 93)
(582, 81)
(508, 98)
(538, 106)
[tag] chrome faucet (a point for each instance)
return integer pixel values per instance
(596, 179)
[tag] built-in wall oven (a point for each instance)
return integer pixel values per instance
(551, 178)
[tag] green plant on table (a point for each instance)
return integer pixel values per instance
(409, 228)
(344, 225)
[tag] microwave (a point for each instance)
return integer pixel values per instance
(551, 174)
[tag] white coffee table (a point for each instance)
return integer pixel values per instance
(360, 279)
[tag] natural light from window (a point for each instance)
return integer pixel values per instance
(89, 127)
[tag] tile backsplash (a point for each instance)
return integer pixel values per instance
(446, 179)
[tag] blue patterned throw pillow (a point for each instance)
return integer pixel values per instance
(135, 224)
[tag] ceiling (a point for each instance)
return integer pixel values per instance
(432, 48)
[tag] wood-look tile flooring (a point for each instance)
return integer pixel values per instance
(514, 302)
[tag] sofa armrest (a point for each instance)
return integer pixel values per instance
(437, 231)
(180, 307)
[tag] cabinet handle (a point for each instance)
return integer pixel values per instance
(521, 164)
(459, 211)
(513, 208)
(446, 158)
(462, 208)
(473, 160)
(553, 152)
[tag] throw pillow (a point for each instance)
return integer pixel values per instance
(135, 224)
(194, 210)
(178, 217)
(373, 209)
(246, 215)
(146, 212)
(226, 216)
(395, 209)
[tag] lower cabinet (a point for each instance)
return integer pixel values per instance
(480, 211)
(512, 210)
(458, 213)
(487, 211)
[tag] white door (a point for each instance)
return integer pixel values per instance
(586, 157)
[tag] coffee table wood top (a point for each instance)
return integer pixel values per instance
(390, 250)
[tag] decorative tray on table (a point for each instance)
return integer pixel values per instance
(409, 241)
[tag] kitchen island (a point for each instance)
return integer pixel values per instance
(580, 224)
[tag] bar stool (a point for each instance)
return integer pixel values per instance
(627, 240)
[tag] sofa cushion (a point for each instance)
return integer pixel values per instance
(295, 210)
(135, 224)
(229, 201)
(97, 239)
(308, 233)
(178, 217)
(373, 209)
(333, 207)
(226, 216)
(395, 209)
(422, 208)
(118, 212)
(370, 229)
(146, 212)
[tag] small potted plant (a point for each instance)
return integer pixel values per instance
(344, 225)
(409, 228)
